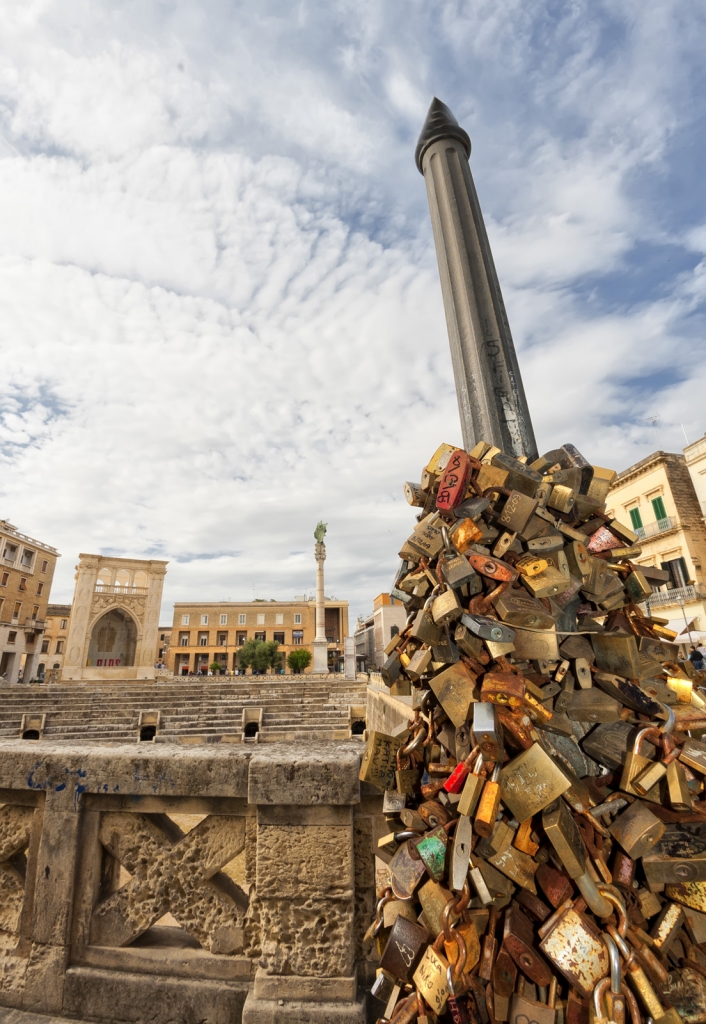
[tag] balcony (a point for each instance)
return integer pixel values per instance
(660, 526)
(677, 596)
(34, 625)
(112, 588)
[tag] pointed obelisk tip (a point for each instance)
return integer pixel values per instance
(440, 124)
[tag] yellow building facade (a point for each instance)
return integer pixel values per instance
(656, 497)
(26, 573)
(54, 639)
(204, 633)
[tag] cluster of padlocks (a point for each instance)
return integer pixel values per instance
(545, 861)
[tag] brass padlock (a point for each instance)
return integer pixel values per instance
(519, 609)
(637, 830)
(379, 760)
(574, 946)
(472, 789)
(530, 782)
(524, 1010)
(517, 511)
(635, 762)
(455, 689)
(652, 774)
(446, 608)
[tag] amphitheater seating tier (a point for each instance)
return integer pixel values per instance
(190, 709)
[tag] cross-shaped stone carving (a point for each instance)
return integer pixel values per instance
(15, 826)
(173, 872)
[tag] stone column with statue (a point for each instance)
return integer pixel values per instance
(320, 644)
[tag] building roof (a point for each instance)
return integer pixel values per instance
(59, 609)
(12, 531)
(645, 464)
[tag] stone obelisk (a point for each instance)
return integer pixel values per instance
(320, 643)
(491, 397)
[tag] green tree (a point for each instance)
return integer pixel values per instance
(259, 656)
(216, 666)
(299, 660)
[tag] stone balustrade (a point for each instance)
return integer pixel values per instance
(169, 884)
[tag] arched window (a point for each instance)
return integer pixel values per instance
(113, 640)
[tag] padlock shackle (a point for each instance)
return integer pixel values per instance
(596, 903)
(418, 740)
(614, 958)
(668, 728)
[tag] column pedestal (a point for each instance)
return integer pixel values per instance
(320, 666)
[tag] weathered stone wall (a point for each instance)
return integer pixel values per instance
(165, 884)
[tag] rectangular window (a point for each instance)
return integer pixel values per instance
(23, 583)
(35, 611)
(297, 618)
(261, 618)
(27, 558)
(222, 639)
(203, 639)
(278, 638)
(279, 619)
(63, 623)
(297, 637)
(185, 620)
(17, 610)
(260, 636)
(40, 588)
(636, 518)
(204, 620)
(677, 569)
(59, 646)
(10, 553)
(45, 565)
(224, 620)
(659, 509)
(240, 638)
(183, 639)
(241, 619)
(4, 578)
(45, 646)
(11, 637)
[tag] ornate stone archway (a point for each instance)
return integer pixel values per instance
(114, 617)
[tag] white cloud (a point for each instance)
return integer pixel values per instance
(219, 306)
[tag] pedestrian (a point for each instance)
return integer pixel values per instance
(696, 659)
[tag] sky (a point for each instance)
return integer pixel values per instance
(220, 311)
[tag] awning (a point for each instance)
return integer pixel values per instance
(679, 626)
(697, 635)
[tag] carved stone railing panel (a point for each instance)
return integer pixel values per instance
(175, 873)
(118, 891)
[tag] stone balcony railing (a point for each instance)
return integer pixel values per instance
(677, 596)
(177, 885)
(114, 588)
(659, 526)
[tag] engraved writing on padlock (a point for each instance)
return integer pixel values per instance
(530, 782)
(404, 949)
(453, 483)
